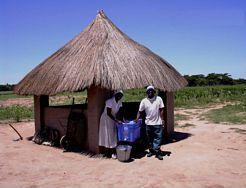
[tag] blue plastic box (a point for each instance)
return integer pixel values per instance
(130, 131)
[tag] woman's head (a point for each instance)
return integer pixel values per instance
(118, 95)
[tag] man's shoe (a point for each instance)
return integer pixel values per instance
(159, 157)
(150, 154)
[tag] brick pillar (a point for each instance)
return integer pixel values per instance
(96, 102)
(40, 102)
(169, 112)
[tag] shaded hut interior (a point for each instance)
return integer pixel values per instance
(56, 116)
(100, 59)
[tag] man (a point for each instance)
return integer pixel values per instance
(153, 107)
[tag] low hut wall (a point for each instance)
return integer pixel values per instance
(57, 116)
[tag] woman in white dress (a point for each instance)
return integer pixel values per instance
(108, 120)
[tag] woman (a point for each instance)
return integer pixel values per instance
(108, 120)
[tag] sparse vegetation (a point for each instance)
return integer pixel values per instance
(180, 117)
(16, 113)
(189, 97)
(240, 131)
(67, 98)
(235, 114)
(187, 125)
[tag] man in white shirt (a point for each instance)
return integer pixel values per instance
(153, 106)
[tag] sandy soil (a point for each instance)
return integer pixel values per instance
(28, 102)
(208, 155)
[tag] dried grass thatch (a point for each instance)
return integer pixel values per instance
(100, 55)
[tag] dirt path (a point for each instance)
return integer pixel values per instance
(28, 102)
(194, 116)
(213, 156)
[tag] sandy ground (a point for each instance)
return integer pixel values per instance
(28, 102)
(209, 156)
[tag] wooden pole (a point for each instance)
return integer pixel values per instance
(96, 102)
(168, 99)
(40, 102)
(169, 112)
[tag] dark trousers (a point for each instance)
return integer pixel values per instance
(154, 134)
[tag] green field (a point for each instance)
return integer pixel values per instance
(196, 97)
(189, 97)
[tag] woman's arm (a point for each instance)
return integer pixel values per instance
(120, 114)
(109, 113)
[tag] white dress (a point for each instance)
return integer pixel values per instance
(107, 128)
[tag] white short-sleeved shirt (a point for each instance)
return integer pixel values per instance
(152, 110)
(111, 103)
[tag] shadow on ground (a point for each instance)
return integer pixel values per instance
(139, 149)
(176, 137)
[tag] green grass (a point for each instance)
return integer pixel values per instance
(180, 117)
(16, 113)
(67, 98)
(235, 114)
(134, 95)
(197, 97)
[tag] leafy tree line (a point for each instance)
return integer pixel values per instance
(213, 79)
(7, 87)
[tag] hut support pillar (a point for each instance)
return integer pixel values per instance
(96, 101)
(169, 113)
(40, 102)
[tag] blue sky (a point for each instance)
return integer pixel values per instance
(195, 36)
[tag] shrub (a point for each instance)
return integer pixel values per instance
(16, 113)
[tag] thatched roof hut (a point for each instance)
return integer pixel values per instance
(100, 55)
(100, 59)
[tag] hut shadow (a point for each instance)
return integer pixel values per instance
(165, 153)
(138, 154)
(142, 154)
(139, 151)
(85, 153)
(176, 137)
(29, 138)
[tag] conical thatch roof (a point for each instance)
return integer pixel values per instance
(100, 55)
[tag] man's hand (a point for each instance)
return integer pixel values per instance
(163, 122)
(138, 117)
